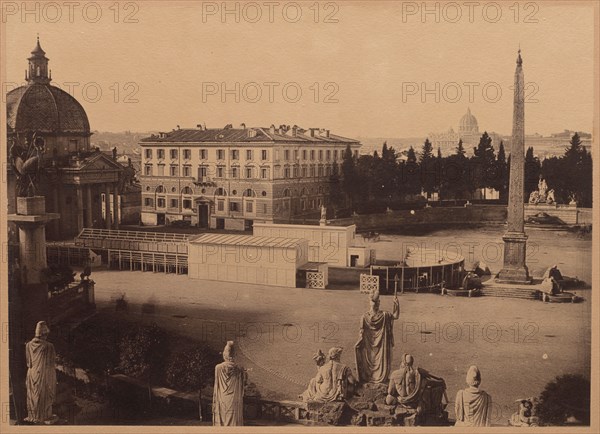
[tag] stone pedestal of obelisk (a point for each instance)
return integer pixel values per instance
(28, 302)
(515, 241)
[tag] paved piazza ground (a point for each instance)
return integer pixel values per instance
(519, 345)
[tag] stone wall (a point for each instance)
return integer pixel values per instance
(570, 215)
(475, 214)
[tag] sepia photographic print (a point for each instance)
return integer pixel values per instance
(298, 216)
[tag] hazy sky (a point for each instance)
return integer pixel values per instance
(375, 61)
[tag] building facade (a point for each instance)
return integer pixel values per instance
(77, 181)
(228, 178)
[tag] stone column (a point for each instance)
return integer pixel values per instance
(116, 205)
(56, 203)
(107, 205)
(89, 219)
(515, 270)
(79, 191)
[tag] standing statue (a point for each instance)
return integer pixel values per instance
(323, 212)
(25, 161)
(542, 189)
(473, 406)
(334, 380)
(228, 395)
(376, 341)
(41, 376)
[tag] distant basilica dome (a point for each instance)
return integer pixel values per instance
(41, 107)
(468, 124)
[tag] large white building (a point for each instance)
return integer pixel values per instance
(228, 178)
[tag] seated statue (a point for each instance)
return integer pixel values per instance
(526, 414)
(550, 199)
(405, 384)
(334, 380)
(473, 406)
(534, 197)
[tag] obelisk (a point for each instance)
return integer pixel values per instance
(515, 270)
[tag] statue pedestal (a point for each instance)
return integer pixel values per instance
(31, 219)
(515, 270)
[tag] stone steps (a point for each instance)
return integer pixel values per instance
(507, 292)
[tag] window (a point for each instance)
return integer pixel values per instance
(304, 172)
(328, 155)
(249, 206)
(201, 173)
(304, 154)
(312, 154)
(263, 154)
(220, 205)
(320, 173)
(173, 154)
(160, 202)
(335, 154)
(161, 170)
(296, 153)
(286, 172)
(320, 155)
(264, 173)
(187, 190)
(235, 154)
(203, 154)
(234, 172)
(312, 171)
(187, 204)
(187, 171)
(219, 172)
(220, 154)
(296, 170)
(187, 154)
(148, 153)
(248, 172)
(148, 201)
(148, 170)
(174, 203)
(286, 154)
(234, 206)
(248, 154)
(174, 170)
(160, 153)
(264, 208)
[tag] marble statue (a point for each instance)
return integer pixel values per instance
(323, 213)
(525, 416)
(473, 406)
(550, 199)
(41, 376)
(334, 380)
(228, 395)
(376, 341)
(542, 188)
(404, 382)
(25, 160)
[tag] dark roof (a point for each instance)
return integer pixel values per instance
(242, 135)
(44, 108)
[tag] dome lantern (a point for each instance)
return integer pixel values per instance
(38, 66)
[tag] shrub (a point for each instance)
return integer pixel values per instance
(191, 369)
(143, 352)
(565, 397)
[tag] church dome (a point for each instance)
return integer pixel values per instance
(468, 123)
(46, 109)
(41, 107)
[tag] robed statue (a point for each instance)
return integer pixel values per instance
(376, 341)
(334, 380)
(473, 406)
(41, 376)
(228, 395)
